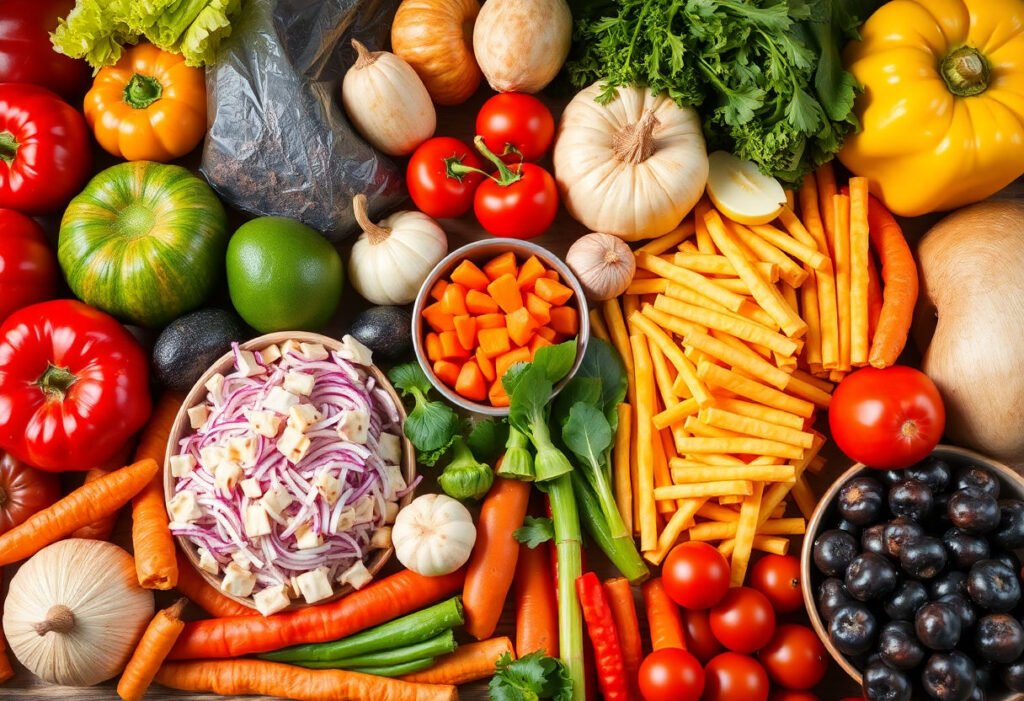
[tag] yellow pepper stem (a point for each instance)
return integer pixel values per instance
(966, 72)
(142, 91)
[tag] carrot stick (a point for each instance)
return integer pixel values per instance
(155, 564)
(83, 506)
(6, 671)
(379, 602)
(492, 564)
(536, 606)
(859, 263)
(620, 598)
(621, 458)
(191, 584)
(874, 297)
(243, 677)
(825, 178)
(841, 239)
(469, 663)
(151, 651)
(662, 616)
(899, 277)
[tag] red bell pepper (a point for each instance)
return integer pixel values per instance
(45, 156)
(26, 55)
(611, 669)
(28, 268)
(74, 386)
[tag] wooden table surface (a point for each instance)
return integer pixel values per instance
(452, 121)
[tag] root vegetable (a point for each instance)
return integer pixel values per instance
(522, 44)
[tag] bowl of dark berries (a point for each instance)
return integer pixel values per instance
(912, 578)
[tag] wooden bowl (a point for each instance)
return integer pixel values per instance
(182, 428)
(1012, 484)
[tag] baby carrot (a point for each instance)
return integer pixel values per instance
(469, 663)
(899, 279)
(536, 607)
(662, 617)
(151, 651)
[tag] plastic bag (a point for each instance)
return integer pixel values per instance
(279, 143)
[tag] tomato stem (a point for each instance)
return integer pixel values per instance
(506, 176)
(966, 72)
(8, 147)
(142, 91)
(55, 382)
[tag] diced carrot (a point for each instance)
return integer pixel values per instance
(470, 382)
(490, 321)
(447, 372)
(505, 264)
(497, 395)
(450, 346)
(547, 333)
(454, 300)
(486, 365)
(494, 342)
(433, 346)
(470, 276)
(552, 291)
(552, 275)
(437, 318)
(465, 329)
(521, 326)
(478, 302)
(538, 342)
(437, 291)
(531, 271)
(564, 320)
(506, 293)
(504, 362)
(538, 308)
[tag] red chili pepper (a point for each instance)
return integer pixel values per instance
(611, 669)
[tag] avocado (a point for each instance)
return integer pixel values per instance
(387, 331)
(190, 344)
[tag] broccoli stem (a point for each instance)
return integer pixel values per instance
(518, 462)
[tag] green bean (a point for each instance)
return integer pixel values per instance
(432, 647)
(395, 670)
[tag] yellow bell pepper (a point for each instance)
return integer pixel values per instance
(942, 111)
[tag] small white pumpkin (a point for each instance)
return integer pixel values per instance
(633, 167)
(434, 535)
(75, 612)
(387, 102)
(390, 260)
(522, 44)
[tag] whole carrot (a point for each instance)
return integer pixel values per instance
(191, 584)
(6, 671)
(155, 564)
(151, 652)
(83, 506)
(874, 297)
(469, 663)
(101, 529)
(899, 278)
(243, 677)
(536, 605)
(611, 669)
(620, 598)
(662, 617)
(492, 564)
(379, 602)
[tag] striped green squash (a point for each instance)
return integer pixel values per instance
(144, 241)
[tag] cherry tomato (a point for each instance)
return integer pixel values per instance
(519, 206)
(889, 418)
(778, 578)
(696, 575)
(671, 674)
(516, 126)
(734, 677)
(435, 188)
(699, 639)
(795, 696)
(795, 657)
(744, 621)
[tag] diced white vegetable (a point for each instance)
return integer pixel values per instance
(226, 476)
(181, 465)
(389, 448)
(242, 449)
(290, 346)
(247, 365)
(293, 587)
(354, 426)
(211, 456)
(329, 486)
(302, 416)
(313, 351)
(215, 384)
(357, 575)
(280, 400)
(276, 499)
(293, 445)
(354, 351)
(272, 599)
(381, 538)
(257, 523)
(364, 509)
(390, 512)
(184, 508)
(270, 354)
(207, 561)
(394, 479)
(265, 423)
(346, 519)
(314, 585)
(198, 415)
(306, 538)
(251, 488)
(299, 383)
(242, 559)
(238, 581)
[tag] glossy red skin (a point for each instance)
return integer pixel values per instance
(671, 674)
(696, 575)
(795, 658)
(520, 210)
(778, 578)
(744, 621)
(28, 268)
(887, 419)
(24, 490)
(797, 696)
(518, 120)
(699, 639)
(107, 402)
(26, 54)
(735, 677)
(432, 189)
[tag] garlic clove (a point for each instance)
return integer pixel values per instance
(604, 265)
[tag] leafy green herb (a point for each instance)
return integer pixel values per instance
(465, 477)
(556, 360)
(487, 439)
(528, 414)
(530, 678)
(534, 531)
(589, 437)
(431, 425)
(603, 362)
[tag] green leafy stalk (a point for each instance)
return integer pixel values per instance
(533, 677)
(465, 477)
(528, 413)
(568, 541)
(518, 461)
(431, 426)
(589, 437)
(620, 551)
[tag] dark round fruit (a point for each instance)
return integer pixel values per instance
(940, 511)
(1009, 534)
(872, 539)
(898, 645)
(977, 478)
(999, 637)
(384, 330)
(985, 676)
(923, 557)
(853, 629)
(892, 477)
(949, 676)
(973, 511)
(964, 610)
(964, 548)
(193, 342)
(898, 532)
(993, 586)
(848, 526)
(832, 595)
(862, 501)
(935, 472)
(903, 604)
(954, 582)
(1013, 676)
(883, 683)
(911, 499)
(1007, 558)
(937, 626)
(870, 577)
(834, 550)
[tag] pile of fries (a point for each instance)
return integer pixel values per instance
(732, 336)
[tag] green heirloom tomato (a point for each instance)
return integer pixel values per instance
(143, 241)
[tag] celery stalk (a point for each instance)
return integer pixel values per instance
(568, 540)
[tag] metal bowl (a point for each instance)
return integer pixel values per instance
(482, 251)
(1012, 484)
(181, 428)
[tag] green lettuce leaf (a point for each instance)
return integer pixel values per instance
(95, 30)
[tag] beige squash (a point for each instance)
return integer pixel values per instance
(522, 44)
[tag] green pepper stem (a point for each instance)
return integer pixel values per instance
(8, 147)
(965, 71)
(55, 382)
(142, 91)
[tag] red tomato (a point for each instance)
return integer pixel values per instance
(26, 55)
(734, 677)
(24, 490)
(778, 578)
(514, 122)
(795, 696)
(671, 674)
(889, 418)
(699, 639)
(744, 620)
(434, 186)
(520, 205)
(28, 268)
(795, 657)
(696, 575)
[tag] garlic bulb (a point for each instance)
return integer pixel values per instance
(433, 535)
(75, 612)
(603, 264)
